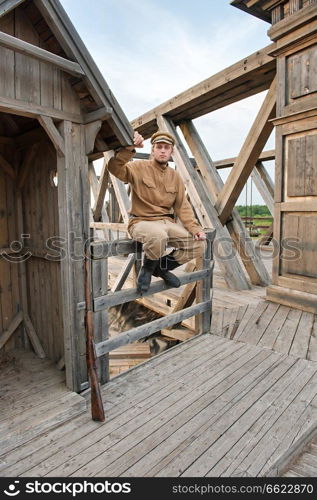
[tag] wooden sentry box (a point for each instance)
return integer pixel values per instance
(294, 32)
(56, 115)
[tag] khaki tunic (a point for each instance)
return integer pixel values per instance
(157, 190)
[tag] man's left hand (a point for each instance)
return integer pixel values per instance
(200, 236)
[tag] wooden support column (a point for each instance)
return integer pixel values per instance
(251, 260)
(248, 156)
(206, 212)
(264, 184)
(73, 206)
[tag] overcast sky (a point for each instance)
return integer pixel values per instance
(151, 50)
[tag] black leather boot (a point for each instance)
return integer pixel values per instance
(165, 265)
(145, 275)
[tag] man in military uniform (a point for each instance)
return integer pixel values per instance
(158, 197)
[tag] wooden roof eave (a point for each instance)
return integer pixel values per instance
(7, 5)
(73, 46)
(245, 78)
(255, 10)
(64, 31)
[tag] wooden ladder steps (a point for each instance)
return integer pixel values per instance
(306, 464)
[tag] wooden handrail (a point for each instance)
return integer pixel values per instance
(103, 250)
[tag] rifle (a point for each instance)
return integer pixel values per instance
(97, 410)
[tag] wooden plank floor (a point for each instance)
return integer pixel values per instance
(273, 326)
(208, 407)
(33, 399)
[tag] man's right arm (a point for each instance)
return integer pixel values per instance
(119, 165)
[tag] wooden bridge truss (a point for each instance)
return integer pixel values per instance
(212, 199)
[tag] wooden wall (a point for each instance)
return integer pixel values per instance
(27, 79)
(9, 281)
(40, 208)
(294, 273)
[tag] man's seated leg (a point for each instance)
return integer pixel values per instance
(186, 247)
(154, 236)
(166, 264)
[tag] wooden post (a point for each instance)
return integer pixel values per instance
(203, 321)
(73, 206)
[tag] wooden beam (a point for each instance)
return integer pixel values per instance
(181, 334)
(229, 162)
(246, 75)
(218, 164)
(145, 330)
(264, 185)
(7, 5)
(32, 110)
(203, 287)
(91, 131)
(122, 197)
(28, 49)
(236, 228)
(124, 273)
(7, 167)
(35, 341)
(16, 321)
(56, 138)
(128, 295)
(103, 186)
(101, 114)
(248, 156)
(94, 183)
(206, 212)
(60, 365)
(188, 295)
(114, 226)
(27, 165)
(101, 145)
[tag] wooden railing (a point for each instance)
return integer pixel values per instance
(202, 309)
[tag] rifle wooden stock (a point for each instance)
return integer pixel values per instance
(97, 410)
